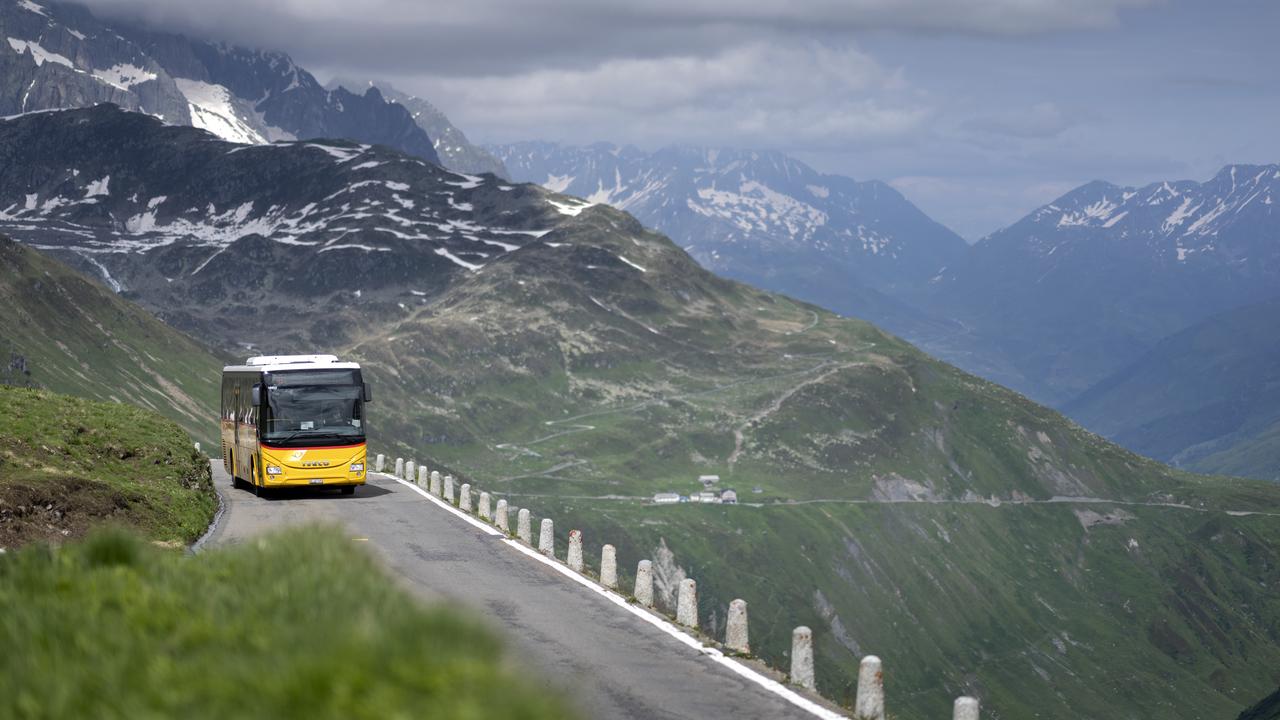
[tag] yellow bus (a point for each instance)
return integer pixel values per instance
(294, 420)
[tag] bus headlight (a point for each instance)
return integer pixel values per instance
(273, 470)
(357, 467)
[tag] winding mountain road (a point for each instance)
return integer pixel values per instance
(611, 659)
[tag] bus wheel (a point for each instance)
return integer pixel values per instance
(230, 462)
(348, 489)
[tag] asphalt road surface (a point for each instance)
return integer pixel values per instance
(612, 663)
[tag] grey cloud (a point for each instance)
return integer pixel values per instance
(940, 94)
(508, 36)
(758, 94)
(1042, 120)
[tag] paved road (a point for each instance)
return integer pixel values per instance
(611, 662)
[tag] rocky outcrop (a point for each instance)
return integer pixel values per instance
(57, 56)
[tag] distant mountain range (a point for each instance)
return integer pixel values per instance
(57, 55)
(859, 248)
(456, 152)
(1087, 284)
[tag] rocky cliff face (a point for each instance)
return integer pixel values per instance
(58, 56)
(456, 151)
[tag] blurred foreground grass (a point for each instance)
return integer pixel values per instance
(299, 624)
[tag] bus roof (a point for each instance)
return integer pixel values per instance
(276, 363)
(290, 359)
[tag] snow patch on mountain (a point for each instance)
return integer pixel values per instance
(212, 110)
(569, 206)
(98, 187)
(1176, 217)
(757, 207)
(1091, 214)
(38, 52)
(558, 183)
(33, 7)
(124, 75)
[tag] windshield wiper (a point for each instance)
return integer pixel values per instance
(310, 434)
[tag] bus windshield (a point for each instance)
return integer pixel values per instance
(299, 413)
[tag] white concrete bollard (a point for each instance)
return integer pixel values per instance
(802, 658)
(870, 701)
(484, 511)
(448, 489)
(500, 516)
(523, 531)
(464, 498)
(735, 631)
(644, 583)
(435, 483)
(423, 475)
(380, 463)
(410, 470)
(966, 709)
(609, 567)
(687, 603)
(197, 446)
(574, 558)
(399, 467)
(547, 538)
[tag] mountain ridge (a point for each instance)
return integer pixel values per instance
(59, 56)
(762, 217)
(1085, 284)
(455, 150)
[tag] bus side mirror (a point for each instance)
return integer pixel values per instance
(368, 396)
(257, 395)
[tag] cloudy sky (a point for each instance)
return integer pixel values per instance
(977, 110)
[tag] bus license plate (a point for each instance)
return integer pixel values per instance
(317, 481)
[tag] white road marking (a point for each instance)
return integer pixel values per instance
(713, 654)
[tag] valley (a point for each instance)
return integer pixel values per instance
(579, 355)
(978, 462)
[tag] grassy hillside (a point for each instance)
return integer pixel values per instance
(62, 331)
(578, 385)
(299, 625)
(69, 464)
(1207, 398)
(1090, 610)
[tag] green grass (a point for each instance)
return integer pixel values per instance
(61, 331)
(1018, 604)
(300, 624)
(68, 464)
